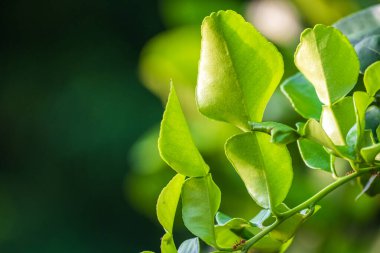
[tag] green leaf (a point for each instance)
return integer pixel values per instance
(233, 231)
(302, 95)
(338, 119)
(222, 218)
(372, 118)
(314, 155)
(360, 24)
(372, 79)
(314, 131)
(200, 202)
(368, 51)
(167, 244)
(261, 217)
(233, 54)
(370, 153)
(362, 29)
(328, 61)
(168, 201)
(361, 102)
(280, 133)
(175, 144)
(190, 246)
(264, 167)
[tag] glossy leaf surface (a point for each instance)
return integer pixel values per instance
(190, 246)
(368, 51)
(372, 79)
(200, 202)
(280, 133)
(338, 119)
(314, 155)
(167, 244)
(168, 201)
(369, 153)
(328, 61)
(361, 102)
(264, 167)
(175, 144)
(302, 95)
(238, 70)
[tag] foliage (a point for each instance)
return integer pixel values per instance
(238, 72)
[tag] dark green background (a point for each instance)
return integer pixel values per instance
(71, 106)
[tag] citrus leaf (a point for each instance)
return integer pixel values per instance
(370, 153)
(200, 202)
(233, 54)
(361, 102)
(175, 144)
(368, 51)
(190, 246)
(372, 79)
(264, 167)
(328, 61)
(168, 201)
(302, 95)
(279, 132)
(314, 155)
(338, 119)
(167, 244)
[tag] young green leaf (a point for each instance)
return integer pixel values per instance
(264, 167)
(279, 132)
(372, 78)
(168, 201)
(233, 231)
(368, 51)
(361, 102)
(314, 131)
(222, 218)
(261, 217)
(370, 153)
(200, 202)
(302, 95)
(175, 144)
(167, 244)
(328, 61)
(233, 54)
(314, 155)
(338, 119)
(190, 246)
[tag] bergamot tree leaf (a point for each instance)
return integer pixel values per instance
(314, 132)
(361, 102)
(370, 153)
(175, 144)
(302, 95)
(361, 24)
(167, 244)
(372, 79)
(238, 70)
(200, 202)
(168, 201)
(264, 167)
(362, 29)
(338, 119)
(280, 133)
(190, 246)
(314, 155)
(328, 61)
(368, 51)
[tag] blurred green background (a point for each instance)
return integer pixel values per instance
(79, 170)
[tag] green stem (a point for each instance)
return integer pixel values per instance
(260, 235)
(310, 203)
(321, 194)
